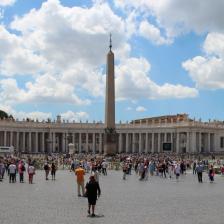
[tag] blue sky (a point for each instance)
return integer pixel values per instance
(169, 59)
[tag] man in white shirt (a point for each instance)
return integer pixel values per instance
(104, 167)
(12, 172)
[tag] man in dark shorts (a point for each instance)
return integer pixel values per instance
(92, 191)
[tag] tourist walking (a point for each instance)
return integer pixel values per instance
(211, 174)
(177, 171)
(80, 172)
(104, 167)
(1, 169)
(125, 169)
(163, 168)
(53, 170)
(31, 172)
(47, 170)
(21, 170)
(194, 168)
(92, 191)
(12, 172)
(199, 170)
(170, 170)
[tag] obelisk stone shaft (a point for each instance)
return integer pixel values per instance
(110, 95)
(110, 140)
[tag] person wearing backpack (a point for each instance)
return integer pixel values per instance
(47, 170)
(21, 170)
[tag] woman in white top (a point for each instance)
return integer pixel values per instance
(31, 172)
(177, 170)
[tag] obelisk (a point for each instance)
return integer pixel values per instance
(110, 139)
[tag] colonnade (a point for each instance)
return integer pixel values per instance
(152, 142)
(52, 142)
(137, 141)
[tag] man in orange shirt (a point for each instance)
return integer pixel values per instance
(80, 172)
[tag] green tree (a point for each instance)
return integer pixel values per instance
(3, 114)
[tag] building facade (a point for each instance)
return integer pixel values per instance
(149, 135)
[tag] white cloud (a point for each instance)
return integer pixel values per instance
(7, 2)
(208, 71)
(1, 13)
(214, 44)
(152, 33)
(62, 49)
(133, 82)
(15, 58)
(140, 109)
(34, 115)
(46, 89)
(74, 116)
(66, 35)
(129, 108)
(180, 16)
(23, 115)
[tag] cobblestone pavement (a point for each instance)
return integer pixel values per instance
(157, 201)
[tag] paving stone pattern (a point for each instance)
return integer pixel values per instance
(156, 201)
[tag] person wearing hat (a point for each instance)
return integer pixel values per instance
(92, 191)
(80, 172)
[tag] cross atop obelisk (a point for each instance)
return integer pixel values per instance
(110, 133)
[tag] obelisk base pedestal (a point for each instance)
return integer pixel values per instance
(110, 144)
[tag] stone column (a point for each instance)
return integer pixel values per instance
(209, 145)
(53, 142)
(5, 138)
(73, 138)
(63, 142)
(80, 142)
(188, 142)
(140, 143)
(120, 143)
(87, 142)
(165, 137)
(43, 142)
(101, 143)
(193, 142)
(146, 142)
(24, 141)
(36, 142)
(30, 142)
(11, 138)
(133, 143)
(159, 142)
(153, 139)
(199, 141)
(171, 141)
(178, 143)
(17, 142)
(127, 143)
(94, 143)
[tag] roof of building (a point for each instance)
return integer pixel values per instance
(163, 119)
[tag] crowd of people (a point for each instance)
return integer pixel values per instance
(144, 166)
